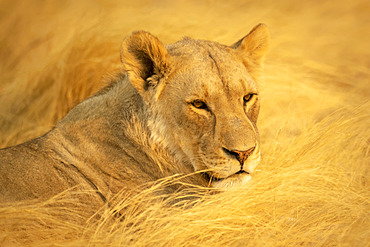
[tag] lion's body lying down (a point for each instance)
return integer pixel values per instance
(190, 107)
(72, 154)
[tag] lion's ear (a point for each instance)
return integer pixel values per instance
(254, 46)
(145, 59)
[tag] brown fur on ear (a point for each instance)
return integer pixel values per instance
(145, 59)
(253, 47)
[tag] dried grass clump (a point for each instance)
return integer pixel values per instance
(312, 187)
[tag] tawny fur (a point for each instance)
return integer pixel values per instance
(312, 185)
(94, 149)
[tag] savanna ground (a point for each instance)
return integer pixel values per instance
(312, 187)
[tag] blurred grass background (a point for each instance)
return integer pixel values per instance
(312, 187)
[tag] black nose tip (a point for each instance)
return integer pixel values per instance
(241, 156)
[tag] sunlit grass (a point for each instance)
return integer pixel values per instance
(312, 187)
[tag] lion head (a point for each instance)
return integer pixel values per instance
(202, 100)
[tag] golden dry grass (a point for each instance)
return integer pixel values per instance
(312, 188)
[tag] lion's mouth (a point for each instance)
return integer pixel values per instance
(216, 179)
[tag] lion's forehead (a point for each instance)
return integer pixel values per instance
(212, 69)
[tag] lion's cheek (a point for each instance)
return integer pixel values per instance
(192, 125)
(192, 133)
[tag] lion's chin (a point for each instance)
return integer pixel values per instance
(234, 181)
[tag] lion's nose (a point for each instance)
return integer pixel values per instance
(241, 156)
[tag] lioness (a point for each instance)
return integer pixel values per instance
(191, 106)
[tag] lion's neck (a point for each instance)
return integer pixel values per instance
(108, 136)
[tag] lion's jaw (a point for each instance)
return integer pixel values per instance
(220, 169)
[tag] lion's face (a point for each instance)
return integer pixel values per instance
(211, 105)
(205, 106)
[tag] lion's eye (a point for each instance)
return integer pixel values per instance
(248, 97)
(199, 104)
